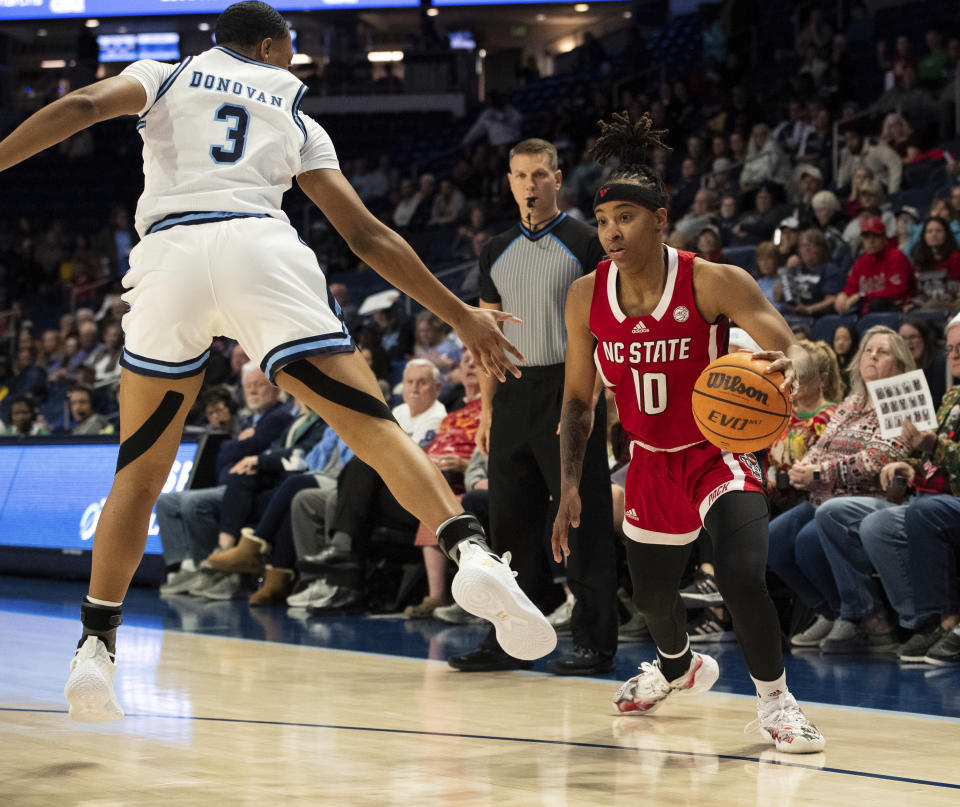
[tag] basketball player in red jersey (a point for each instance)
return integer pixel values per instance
(649, 320)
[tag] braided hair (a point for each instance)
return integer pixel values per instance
(629, 142)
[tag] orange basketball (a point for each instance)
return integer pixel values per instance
(737, 406)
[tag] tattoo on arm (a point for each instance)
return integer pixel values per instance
(576, 423)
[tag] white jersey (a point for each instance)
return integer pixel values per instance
(223, 136)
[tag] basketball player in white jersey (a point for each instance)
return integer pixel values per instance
(223, 135)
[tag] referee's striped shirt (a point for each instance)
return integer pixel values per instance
(529, 275)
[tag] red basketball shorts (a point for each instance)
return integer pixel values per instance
(668, 493)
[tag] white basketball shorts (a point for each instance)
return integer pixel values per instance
(250, 279)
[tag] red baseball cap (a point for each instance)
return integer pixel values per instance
(874, 225)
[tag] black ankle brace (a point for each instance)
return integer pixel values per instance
(101, 621)
(458, 529)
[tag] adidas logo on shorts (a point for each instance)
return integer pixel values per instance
(631, 513)
(640, 328)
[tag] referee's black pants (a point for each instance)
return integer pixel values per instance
(524, 472)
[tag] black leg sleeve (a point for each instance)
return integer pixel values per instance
(738, 524)
(656, 571)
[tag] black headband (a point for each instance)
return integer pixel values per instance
(628, 192)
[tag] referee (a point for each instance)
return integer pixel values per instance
(527, 270)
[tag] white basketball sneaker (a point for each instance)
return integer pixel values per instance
(783, 723)
(89, 689)
(484, 585)
(645, 693)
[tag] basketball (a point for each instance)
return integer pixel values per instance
(737, 406)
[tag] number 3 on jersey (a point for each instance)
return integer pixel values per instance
(236, 134)
(651, 391)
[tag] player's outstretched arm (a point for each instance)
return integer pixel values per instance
(394, 260)
(725, 290)
(76, 111)
(576, 417)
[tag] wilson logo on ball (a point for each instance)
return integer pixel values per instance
(735, 385)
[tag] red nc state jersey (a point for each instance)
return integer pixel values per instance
(652, 362)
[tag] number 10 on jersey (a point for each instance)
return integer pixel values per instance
(651, 391)
(236, 134)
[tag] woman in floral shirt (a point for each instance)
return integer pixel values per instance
(845, 461)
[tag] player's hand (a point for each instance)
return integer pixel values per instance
(916, 440)
(781, 363)
(479, 330)
(482, 438)
(892, 469)
(568, 515)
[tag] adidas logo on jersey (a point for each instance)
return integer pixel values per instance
(640, 328)
(631, 513)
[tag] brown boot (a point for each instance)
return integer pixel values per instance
(247, 557)
(277, 586)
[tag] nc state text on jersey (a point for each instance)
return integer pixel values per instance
(208, 81)
(647, 352)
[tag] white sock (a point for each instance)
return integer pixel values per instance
(771, 690)
(95, 601)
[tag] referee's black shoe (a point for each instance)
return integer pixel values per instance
(487, 659)
(581, 661)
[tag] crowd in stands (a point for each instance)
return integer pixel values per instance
(859, 251)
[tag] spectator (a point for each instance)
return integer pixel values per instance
(845, 342)
(463, 244)
(845, 461)
(499, 123)
(882, 160)
(921, 338)
(451, 451)
(727, 219)
(347, 309)
(699, 215)
(897, 133)
(931, 68)
(757, 223)
(395, 329)
(817, 34)
(189, 520)
(82, 416)
(809, 182)
(791, 133)
(105, 359)
(431, 343)
(829, 219)
(810, 281)
(765, 160)
(870, 195)
(817, 146)
(708, 244)
(63, 370)
(89, 336)
(407, 204)
(28, 379)
(24, 420)
(908, 219)
(936, 261)
(814, 404)
(116, 241)
(447, 205)
(940, 208)
(881, 279)
(769, 260)
(918, 105)
(720, 180)
(686, 190)
(786, 237)
(220, 410)
(251, 485)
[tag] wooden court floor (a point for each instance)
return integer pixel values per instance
(216, 721)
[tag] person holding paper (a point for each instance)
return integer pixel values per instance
(831, 574)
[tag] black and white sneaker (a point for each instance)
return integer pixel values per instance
(702, 591)
(708, 628)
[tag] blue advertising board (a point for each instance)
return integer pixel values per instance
(51, 495)
(57, 9)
